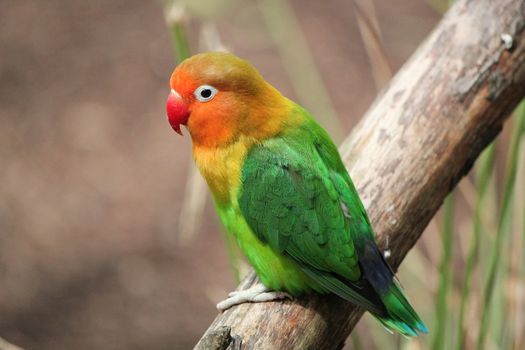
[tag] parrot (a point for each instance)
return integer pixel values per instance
(281, 190)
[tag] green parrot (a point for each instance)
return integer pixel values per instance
(281, 189)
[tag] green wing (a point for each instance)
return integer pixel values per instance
(298, 198)
(293, 202)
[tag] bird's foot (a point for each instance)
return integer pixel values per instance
(255, 294)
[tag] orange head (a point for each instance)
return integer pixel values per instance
(220, 97)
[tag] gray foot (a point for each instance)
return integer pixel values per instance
(256, 294)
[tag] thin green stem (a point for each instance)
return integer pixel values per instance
(518, 334)
(445, 280)
(518, 339)
(174, 14)
(485, 170)
(180, 42)
(510, 176)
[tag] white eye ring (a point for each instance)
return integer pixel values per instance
(205, 93)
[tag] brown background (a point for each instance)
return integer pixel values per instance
(92, 177)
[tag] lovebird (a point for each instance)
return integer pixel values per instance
(281, 189)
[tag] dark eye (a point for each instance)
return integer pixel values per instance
(205, 93)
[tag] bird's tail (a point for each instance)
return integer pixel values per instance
(401, 317)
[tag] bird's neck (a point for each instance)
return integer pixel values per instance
(221, 167)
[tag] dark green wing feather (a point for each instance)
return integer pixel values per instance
(293, 206)
(291, 200)
(297, 196)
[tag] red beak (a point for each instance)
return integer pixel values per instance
(177, 110)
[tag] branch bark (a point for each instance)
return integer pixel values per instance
(5, 345)
(412, 147)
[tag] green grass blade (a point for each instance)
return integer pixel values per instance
(174, 14)
(445, 279)
(180, 43)
(513, 307)
(510, 176)
(519, 321)
(484, 172)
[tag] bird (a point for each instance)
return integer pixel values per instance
(281, 190)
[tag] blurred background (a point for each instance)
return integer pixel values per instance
(93, 181)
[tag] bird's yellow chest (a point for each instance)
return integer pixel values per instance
(221, 168)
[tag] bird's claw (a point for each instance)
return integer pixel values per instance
(256, 294)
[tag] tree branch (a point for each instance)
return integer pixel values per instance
(412, 147)
(5, 345)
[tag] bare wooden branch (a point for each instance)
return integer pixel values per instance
(5, 345)
(412, 147)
